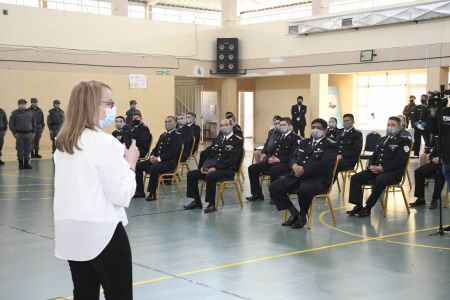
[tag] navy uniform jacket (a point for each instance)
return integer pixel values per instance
(196, 131)
(22, 121)
(298, 114)
(334, 133)
(186, 136)
(55, 119)
(317, 163)
(350, 144)
(3, 120)
(118, 135)
(392, 155)
(168, 146)
(38, 116)
(237, 130)
(421, 115)
(271, 137)
(225, 155)
(284, 147)
(143, 138)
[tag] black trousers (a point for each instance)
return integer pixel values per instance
(24, 143)
(425, 171)
(379, 183)
(2, 140)
(111, 269)
(274, 171)
(305, 189)
(299, 127)
(418, 134)
(37, 138)
(53, 137)
(154, 170)
(210, 179)
(344, 165)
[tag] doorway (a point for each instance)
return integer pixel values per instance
(246, 100)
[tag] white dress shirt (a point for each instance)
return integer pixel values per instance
(92, 187)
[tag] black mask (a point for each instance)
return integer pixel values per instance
(424, 102)
(136, 122)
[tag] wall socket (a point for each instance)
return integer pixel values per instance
(5, 12)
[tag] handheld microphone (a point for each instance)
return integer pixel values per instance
(126, 131)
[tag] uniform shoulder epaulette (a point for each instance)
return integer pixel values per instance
(239, 137)
(331, 141)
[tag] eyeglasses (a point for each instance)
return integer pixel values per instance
(109, 102)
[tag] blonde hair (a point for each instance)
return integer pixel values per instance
(82, 113)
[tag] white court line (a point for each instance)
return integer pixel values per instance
(5, 199)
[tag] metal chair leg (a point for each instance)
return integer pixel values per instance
(384, 201)
(180, 190)
(309, 221)
(330, 207)
(196, 161)
(238, 192)
(158, 186)
(409, 179)
(284, 215)
(405, 200)
(201, 188)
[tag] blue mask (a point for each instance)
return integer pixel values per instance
(111, 113)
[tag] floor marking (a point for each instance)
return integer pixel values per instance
(22, 176)
(381, 238)
(10, 192)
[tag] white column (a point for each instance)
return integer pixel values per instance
(319, 97)
(119, 8)
(320, 7)
(229, 12)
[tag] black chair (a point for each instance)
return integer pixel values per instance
(372, 140)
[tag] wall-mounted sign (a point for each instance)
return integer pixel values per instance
(138, 81)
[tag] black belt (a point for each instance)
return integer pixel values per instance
(23, 131)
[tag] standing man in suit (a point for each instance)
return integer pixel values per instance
(221, 164)
(186, 136)
(386, 167)
(275, 161)
(164, 158)
(196, 130)
(298, 112)
(141, 133)
(312, 172)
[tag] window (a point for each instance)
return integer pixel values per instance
(136, 10)
(186, 16)
(275, 14)
(86, 6)
(32, 3)
(349, 5)
(380, 96)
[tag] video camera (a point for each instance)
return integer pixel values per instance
(438, 98)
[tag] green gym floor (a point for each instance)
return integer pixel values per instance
(234, 253)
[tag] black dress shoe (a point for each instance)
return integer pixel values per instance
(418, 202)
(150, 197)
(139, 195)
(209, 209)
(193, 205)
(255, 198)
(300, 223)
(2, 162)
(38, 156)
(354, 211)
(365, 212)
(290, 221)
(434, 204)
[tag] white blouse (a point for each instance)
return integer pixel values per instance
(92, 187)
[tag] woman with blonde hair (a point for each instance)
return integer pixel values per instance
(94, 181)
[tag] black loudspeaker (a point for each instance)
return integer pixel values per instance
(227, 56)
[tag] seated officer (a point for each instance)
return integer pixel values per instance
(140, 133)
(349, 144)
(333, 132)
(275, 161)
(221, 164)
(186, 136)
(421, 173)
(312, 172)
(163, 159)
(386, 167)
(120, 121)
(273, 134)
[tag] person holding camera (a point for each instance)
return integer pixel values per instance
(94, 182)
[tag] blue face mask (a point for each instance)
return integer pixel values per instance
(111, 113)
